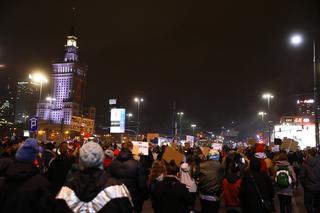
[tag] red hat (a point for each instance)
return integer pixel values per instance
(260, 147)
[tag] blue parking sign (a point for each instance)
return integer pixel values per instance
(33, 124)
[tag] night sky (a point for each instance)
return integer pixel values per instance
(214, 58)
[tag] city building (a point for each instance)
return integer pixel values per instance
(68, 87)
(7, 104)
(298, 128)
(305, 106)
(26, 101)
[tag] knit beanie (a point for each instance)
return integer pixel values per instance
(91, 156)
(109, 153)
(28, 150)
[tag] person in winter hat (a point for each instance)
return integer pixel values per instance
(28, 151)
(260, 154)
(23, 188)
(92, 189)
(109, 156)
(186, 178)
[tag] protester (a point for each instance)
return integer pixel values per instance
(285, 179)
(130, 172)
(109, 156)
(170, 195)
(48, 156)
(157, 173)
(310, 180)
(91, 189)
(59, 168)
(231, 188)
(256, 190)
(187, 179)
(210, 175)
(24, 189)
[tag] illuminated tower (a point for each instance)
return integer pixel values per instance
(68, 85)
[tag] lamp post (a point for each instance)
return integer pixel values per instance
(129, 115)
(38, 78)
(262, 114)
(268, 97)
(193, 126)
(138, 101)
(297, 40)
(25, 118)
(180, 120)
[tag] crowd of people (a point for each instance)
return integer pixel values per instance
(94, 177)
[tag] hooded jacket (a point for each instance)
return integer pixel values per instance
(24, 190)
(231, 188)
(92, 189)
(129, 171)
(310, 174)
(288, 190)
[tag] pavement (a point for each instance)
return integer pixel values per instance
(297, 202)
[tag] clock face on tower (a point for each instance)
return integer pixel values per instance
(71, 42)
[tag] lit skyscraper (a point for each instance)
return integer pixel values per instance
(68, 85)
(26, 101)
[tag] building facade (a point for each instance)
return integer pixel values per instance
(26, 101)
(68, 87)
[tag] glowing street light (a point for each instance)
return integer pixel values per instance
(262, 114)
(268, 96)
(138, 101)
(297, 40)
(193, 126)
(38, 78)
(129, 115)
(180, 120)
(25, 118)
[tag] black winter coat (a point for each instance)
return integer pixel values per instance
(310, 174)
(94, 189)
(58, 171)
(171, 196)
(249, 198)
(24, 190)
(129, 171)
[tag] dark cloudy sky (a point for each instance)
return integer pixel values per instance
(214, 58)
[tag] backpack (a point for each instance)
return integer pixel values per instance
(282, 177)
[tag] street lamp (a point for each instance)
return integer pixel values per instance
(38, 78)
(193, 126)
(268, 96)
(180, 120)
(129, 115)
(138, 101)
(297, 40)
(262, 114)
(25, 118)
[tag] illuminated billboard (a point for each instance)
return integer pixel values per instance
(303, 134)
(118, 120)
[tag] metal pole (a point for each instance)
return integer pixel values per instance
(269, 123)
(40, 91)
(180, 123)
(138, 126)
(315, 93)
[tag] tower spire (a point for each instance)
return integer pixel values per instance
(72, 33)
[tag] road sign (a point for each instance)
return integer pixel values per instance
(33, 124)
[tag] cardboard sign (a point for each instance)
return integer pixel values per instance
(275, 148)
(289, 145)
(252, 141)
(172, 154)
(151, 136)
(205, 150)
(140, 147)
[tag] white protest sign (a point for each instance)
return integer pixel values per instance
(140, 147)
(216, 146)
